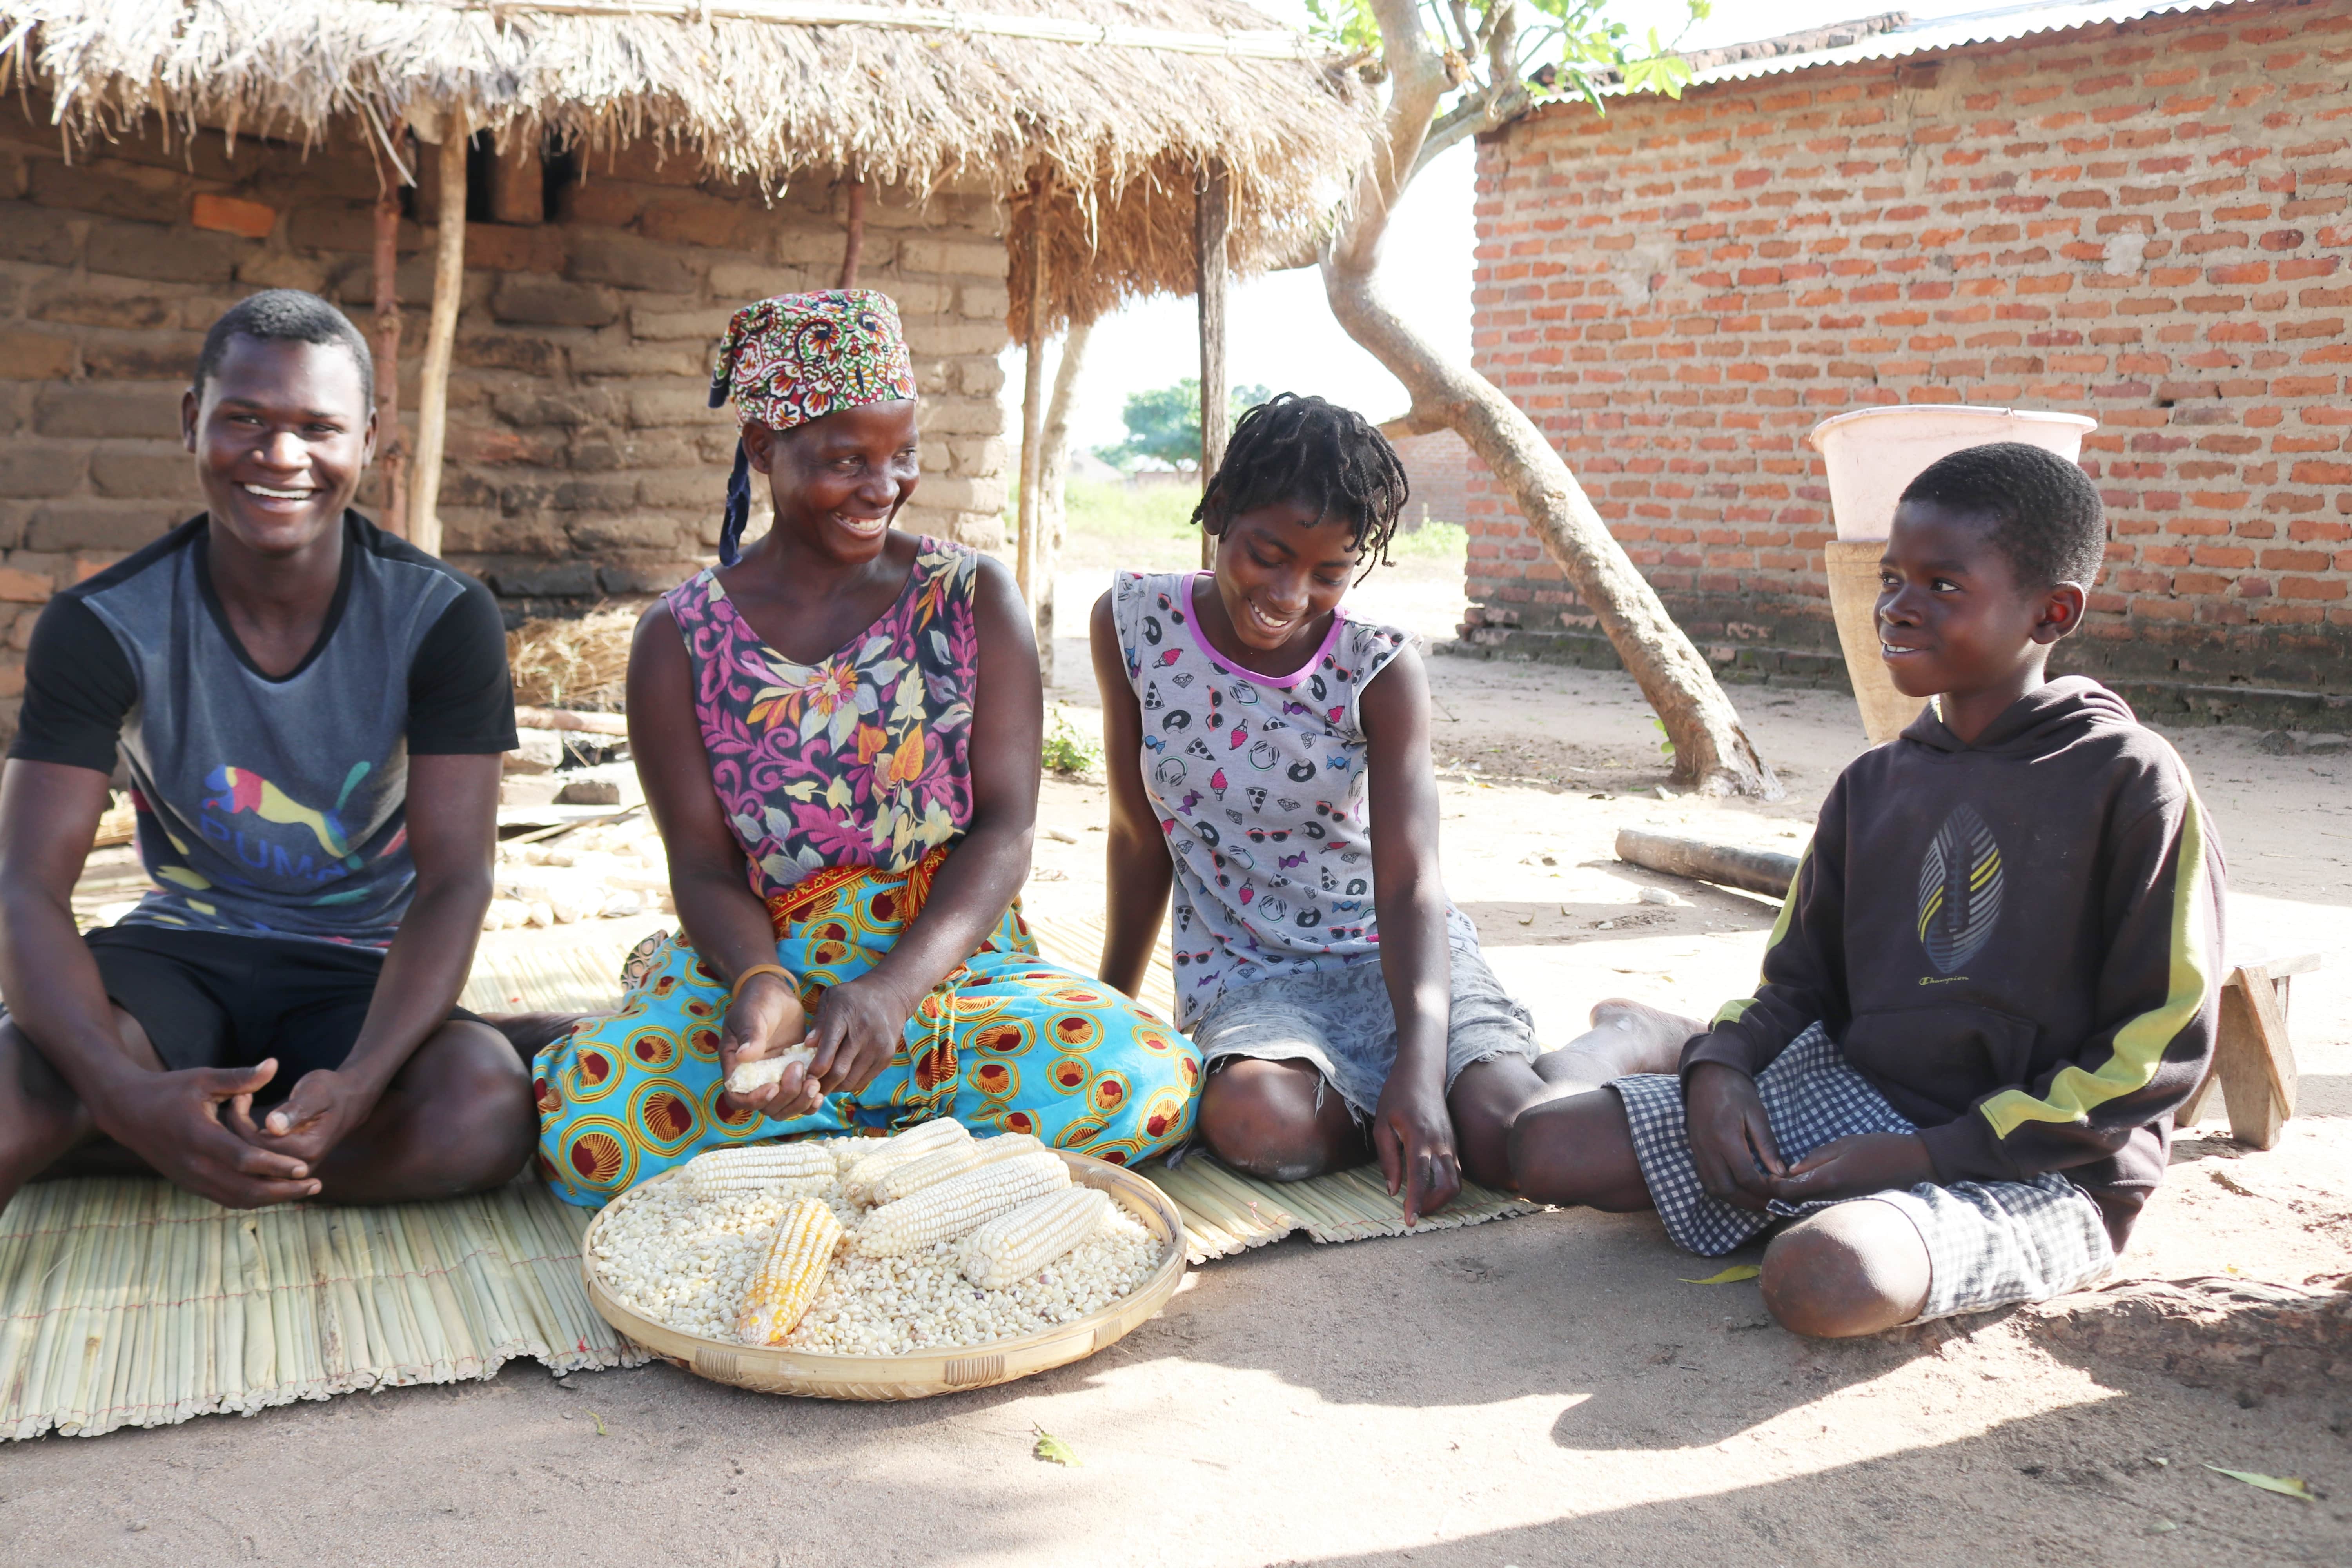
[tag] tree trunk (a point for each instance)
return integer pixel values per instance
(391, 445)
(440, 338)
(1712, 751)
(1212, 211)
(1051, 512)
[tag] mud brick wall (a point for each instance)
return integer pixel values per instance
(583, 460)
(2145, 223)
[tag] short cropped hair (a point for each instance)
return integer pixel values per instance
(286, 316)
(2046, 516)
(1304, 449)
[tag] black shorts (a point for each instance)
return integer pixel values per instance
(214, 999)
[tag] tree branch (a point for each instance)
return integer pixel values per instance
(1711, 751)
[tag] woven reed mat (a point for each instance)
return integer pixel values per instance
(126, 1302)
(1225, 1212)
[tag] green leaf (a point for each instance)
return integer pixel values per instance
(1659, 73)
(600, 1423)
(1053, 1451)
(1737, 1271)
(2285, 1486)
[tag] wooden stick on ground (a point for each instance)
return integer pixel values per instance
(529, 718)
(440, 337)
(1756, 871)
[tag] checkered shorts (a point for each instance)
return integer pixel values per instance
(1988, 1243)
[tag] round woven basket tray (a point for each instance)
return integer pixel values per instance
(920, 1375)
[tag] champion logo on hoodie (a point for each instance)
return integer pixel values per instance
(1959, 891)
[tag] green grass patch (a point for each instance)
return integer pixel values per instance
(1155, 513)
(1432, 541)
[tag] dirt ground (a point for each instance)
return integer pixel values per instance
(1546, 1390)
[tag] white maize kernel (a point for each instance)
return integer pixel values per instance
(1016, 1245)
(686, 1262)
(765, 1072)
(879, 1160)
(931, 1169)
(961, 1205)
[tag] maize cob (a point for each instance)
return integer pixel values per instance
(930, 1169)
(1013, 1247)
(781, 1292)
(764, 1071)
(857, 1182)
(961, 1205)
(760, 1166)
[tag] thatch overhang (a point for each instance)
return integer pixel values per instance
(1123, 103)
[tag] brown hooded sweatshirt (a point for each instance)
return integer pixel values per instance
(2018, 942)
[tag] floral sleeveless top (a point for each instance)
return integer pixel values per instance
(860, 759)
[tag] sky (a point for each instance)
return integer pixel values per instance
(1281, 335)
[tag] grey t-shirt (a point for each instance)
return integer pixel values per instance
(269, 806)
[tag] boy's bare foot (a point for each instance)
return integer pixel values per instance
(1626, 1037)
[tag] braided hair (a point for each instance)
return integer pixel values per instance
(1318, 454)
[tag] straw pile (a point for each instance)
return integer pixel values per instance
(762, 95)
(581, 663)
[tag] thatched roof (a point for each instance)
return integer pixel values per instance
(1124, 115)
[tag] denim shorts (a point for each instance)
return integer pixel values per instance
(1341, 1021)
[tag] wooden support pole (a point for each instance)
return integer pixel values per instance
(853, 243)
(1033, 395)
(1051, 513)
(1211, 212)
(440, 338)
(390, 442)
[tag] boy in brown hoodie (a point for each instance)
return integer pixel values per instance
(1993, 981)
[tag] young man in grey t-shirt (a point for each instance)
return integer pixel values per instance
(311, 713)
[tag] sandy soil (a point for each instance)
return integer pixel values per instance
(1544, 1390)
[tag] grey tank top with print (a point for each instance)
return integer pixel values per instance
(1259, 784)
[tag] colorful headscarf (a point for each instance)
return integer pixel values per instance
(798, 357)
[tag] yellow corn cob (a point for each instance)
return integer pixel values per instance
(787, 1282)
(930, 1169)
(961, 1205)
(760, 1166)
(857, 1182)
(767, 1071)
(1013, 1245)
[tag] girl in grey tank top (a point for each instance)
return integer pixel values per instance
(1246, 714)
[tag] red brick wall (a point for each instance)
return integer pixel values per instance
(1439, 465)
(2146, 223)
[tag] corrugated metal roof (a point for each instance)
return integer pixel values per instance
(1930, 35)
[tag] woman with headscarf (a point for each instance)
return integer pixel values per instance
(838, 731)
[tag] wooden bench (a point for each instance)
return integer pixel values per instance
(2252, 1060)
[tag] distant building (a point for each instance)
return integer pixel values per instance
(1439, 465)
(2132, 210)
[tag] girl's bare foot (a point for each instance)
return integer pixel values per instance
(1626, 1038)
(530, 1033)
